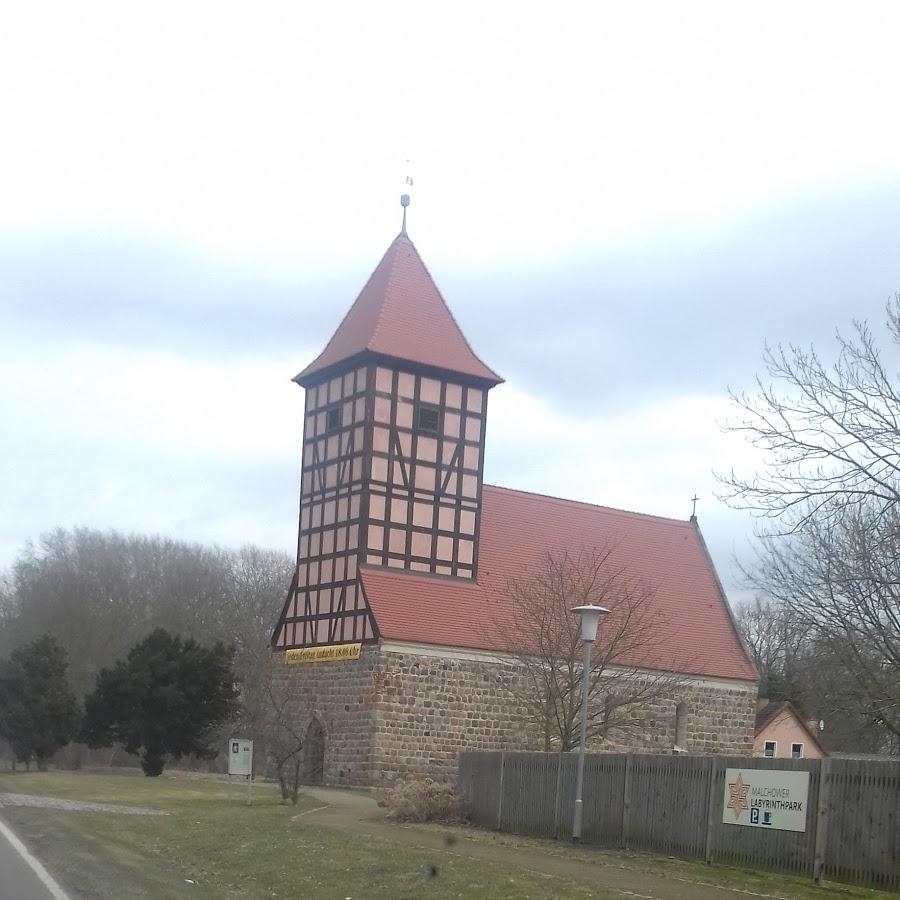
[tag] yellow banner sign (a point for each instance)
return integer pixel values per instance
(322, 654)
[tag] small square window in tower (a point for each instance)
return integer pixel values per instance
(333, 419)
(428, 419)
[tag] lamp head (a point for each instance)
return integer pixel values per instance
(590, 619)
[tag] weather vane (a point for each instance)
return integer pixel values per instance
(404, 198)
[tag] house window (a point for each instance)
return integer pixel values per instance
(771, 747)
(428, 418)
(333, 419)
(796, 751)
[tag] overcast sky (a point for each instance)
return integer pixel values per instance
(620, 202)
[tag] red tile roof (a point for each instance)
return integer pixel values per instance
(694, 629)
(400, 313)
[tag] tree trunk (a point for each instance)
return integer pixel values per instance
(295, 787)
(282, 779)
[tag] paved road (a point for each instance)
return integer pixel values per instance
(18, 880)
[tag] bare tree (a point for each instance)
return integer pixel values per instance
(7, 613)
(255, 591)
(779, 644)
(283, 738)
(841, 585)
(543, 635)
(99, 592)
(830, 435)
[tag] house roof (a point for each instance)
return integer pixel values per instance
(400, 313)
(693, 631)
(775, 710)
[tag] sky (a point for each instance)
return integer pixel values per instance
(620, 202)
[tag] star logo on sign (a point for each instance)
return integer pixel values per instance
(737, 796)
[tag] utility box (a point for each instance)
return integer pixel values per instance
(240, 757)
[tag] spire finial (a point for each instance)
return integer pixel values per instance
(694, 500)
(404, 202)
(404, 198)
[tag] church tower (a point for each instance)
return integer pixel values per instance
(393, 453)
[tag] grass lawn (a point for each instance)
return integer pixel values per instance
(228, 849)
(753, 882)
(210, 845)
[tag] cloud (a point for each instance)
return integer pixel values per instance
(92, 396)
(280, 131)
(619, 204)
(147, 441)
(601, 330)
(674, 315)
(152, 385)
(649, 459)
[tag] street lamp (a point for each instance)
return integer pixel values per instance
(590, 619)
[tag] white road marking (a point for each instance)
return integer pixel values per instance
(46, 878)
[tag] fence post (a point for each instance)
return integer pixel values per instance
(556, 804)
(711, 817)
(500, 797)
(822, 819)
(626, 802)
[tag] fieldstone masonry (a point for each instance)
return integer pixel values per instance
(391, 715)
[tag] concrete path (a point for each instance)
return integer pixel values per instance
(22, 877)
(352, 811)
(77, 805)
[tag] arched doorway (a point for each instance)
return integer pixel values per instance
(314, 753)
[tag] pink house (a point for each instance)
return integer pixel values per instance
(782, 733)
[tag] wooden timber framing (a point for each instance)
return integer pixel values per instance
(378, 490)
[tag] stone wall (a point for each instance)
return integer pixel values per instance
(391, 715)
(719, 718)
(343, 696)
(433, 707)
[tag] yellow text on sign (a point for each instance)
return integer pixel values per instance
(322, 654)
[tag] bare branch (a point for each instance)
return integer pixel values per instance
(829, 435)
(541, 632)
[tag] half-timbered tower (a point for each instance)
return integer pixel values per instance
(393, 450)
(387, 636)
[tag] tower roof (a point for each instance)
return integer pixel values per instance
(400, 313)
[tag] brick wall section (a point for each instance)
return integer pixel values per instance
(393, 715)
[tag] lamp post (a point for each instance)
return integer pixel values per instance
(590, 619)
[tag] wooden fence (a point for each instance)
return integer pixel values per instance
(673, 805)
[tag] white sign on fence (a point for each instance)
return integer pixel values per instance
(766, 798)
(240, 757)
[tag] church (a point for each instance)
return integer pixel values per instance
(385, 638)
